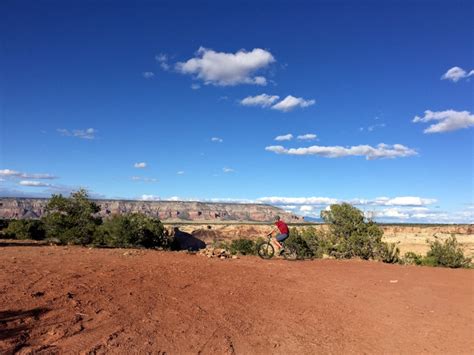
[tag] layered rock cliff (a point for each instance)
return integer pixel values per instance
(23, 208)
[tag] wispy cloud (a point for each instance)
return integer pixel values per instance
(290, 102)
(285, 137)
(181, 172)
(216, 140)
(456, 73)
(372, 127)
(162, 59)
(228, 170)
(415, 203)
(22, 175)
(33, 183)
(448, 120)
(140, 165)
(262, 100)
(88, 133)
(148, 74)
(307, 137)
(380, 151)
(143, 179)
(195, 86)
(227, 69)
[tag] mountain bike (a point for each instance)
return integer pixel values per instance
(266, 250)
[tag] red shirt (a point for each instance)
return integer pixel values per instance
(282, 227)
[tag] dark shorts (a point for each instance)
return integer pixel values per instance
(282, 237)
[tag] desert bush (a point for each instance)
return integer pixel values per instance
(411, 258)
(131, 230)
(71, 220)
(3, 226)
(351, 234)
(447, 254)
(25, 229)
(389, 253)
(300, 241)
(242, 246)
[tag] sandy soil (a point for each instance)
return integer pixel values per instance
(73, 299)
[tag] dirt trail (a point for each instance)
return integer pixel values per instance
(72, 299)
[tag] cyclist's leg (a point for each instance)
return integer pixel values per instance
(280, 238)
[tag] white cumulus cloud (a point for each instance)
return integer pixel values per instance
(285, 137)
(448, 120)
(403, 201)
(306, 208)
(141, 165)
(307, 137)
(289, 103)
(456, 73)
(390, 213)
(150, 198)
(217, 140)
(227, 69)
(379, 152)
(262, 100)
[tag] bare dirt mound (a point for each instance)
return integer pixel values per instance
(71, 299)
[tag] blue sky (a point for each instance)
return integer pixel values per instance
(380, 95)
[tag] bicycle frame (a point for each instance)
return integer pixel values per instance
(270, 237)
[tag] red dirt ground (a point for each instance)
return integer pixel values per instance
(72, 299)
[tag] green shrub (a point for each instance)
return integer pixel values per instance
(351, 234)
(242, 246)
(318, 241)
(72, 220)
(447, 254)
(25, 229)
(131, 230)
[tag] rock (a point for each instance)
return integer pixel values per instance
(215, 253)
(326, 256)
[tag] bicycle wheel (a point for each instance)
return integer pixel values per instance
(290, 253)
(265, 250)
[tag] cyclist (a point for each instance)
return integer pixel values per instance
(283, 233)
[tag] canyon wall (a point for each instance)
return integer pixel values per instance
(168, 211)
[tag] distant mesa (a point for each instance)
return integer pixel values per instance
(167, 211)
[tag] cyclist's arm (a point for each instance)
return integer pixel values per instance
(274, 229)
